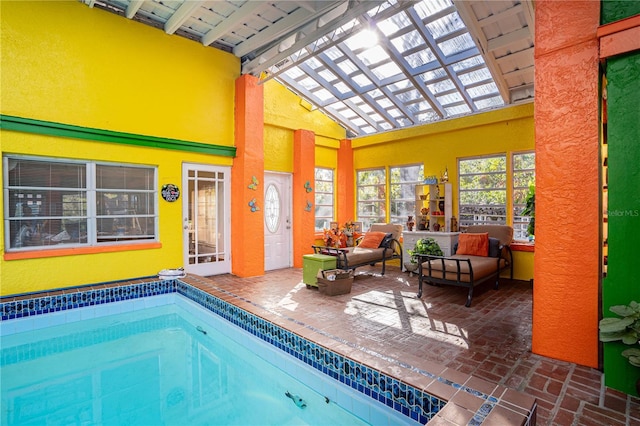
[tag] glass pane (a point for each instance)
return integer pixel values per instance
(36, 173)
(123, 177)
(272, 208)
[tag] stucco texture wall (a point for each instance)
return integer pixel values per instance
(67, 63)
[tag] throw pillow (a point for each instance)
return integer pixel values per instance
(372, 240)
(494, 247)
(386, 241)
(473, 244)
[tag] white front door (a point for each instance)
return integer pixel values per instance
(206, 213)
(277, 221)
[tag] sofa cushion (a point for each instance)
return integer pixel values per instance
(372, 240)
(473, 244)
(482, 266)
(494, 247)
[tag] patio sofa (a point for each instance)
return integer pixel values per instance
(367, 251)
(480, 255)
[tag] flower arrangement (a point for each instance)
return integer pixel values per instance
(340, 236)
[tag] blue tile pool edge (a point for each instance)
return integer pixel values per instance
(400, 396)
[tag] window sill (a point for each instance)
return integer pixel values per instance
(521, 246)
(72, 251)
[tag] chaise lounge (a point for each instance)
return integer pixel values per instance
(481, 254)
(380, 244)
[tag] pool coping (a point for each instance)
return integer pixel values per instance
(435, 395)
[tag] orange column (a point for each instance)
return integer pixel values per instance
(345, 188)
(247, 226)
(304, 163)
(566, 263)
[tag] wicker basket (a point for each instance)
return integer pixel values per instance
(334, 282)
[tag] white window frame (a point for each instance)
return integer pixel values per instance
(324, 197)
(483, 213)
(90, 216)
(402, 193)
(519, 195)
(379, 204)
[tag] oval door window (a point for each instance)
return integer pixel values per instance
(272, 208)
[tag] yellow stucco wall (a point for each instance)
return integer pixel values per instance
(67, 63)
(284, 113)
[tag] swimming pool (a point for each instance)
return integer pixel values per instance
(166, 365)
(373, 387)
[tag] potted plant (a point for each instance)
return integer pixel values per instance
(530, 210)
(626, 328)
(423, 246)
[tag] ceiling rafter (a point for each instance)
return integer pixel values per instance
(232, 21)
(180, 16)
(132, 8)
(470, 20)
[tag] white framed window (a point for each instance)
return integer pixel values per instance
(371, 196)
(524, 176)
(324, 198)
(402, 195)
(482, 190)
(53, 202)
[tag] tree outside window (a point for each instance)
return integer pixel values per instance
(402, 195)
(483, 190)
(371, 196)
(524, 177)
(324, 198)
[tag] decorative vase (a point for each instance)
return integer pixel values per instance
(410, 223)
(411, 267)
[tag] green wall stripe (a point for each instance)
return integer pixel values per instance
(41, 127)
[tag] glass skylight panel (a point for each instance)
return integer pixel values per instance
(495, 101)
(368, 129)
(347, 66)
(457, 44)
(408, 41)
(393, 24)
(367, 108)
(327, 75)
(449, 99)
(376, 117)
(334, 53)
(386, 126)
(457, 110)
(475, 76)
(485, 89)
(313, 63)
(428, 116)
(323, 94)
(373, 56)
(436, 74)
(387, 70)
(294, 73)
(341, 87)
(395, 113)
(400, 85)
(420, 58)
(362, 80)
(441, 86)
(408, 96)
(474, 61)
(384, 103)
(309, 83)
(427, 8)
(359, 121)
(445, 25)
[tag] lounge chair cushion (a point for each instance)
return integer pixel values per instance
(482, 266)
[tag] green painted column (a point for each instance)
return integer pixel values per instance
(622, 283)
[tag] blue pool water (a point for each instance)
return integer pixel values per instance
(174, 363)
